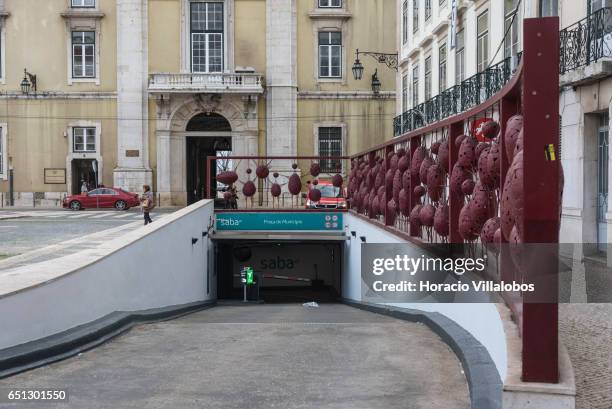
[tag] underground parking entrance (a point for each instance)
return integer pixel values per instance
(286, 270)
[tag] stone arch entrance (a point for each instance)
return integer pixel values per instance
(207, 134)
(187, 120)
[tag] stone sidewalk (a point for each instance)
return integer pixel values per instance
(263, 356)
(586, 331)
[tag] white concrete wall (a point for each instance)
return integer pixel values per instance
(152, 267)
(481, 320)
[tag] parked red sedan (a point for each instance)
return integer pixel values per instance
(103, 197)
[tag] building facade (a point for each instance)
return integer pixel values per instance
(133, 92)
(584, 105)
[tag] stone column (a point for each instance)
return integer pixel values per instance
(281, 78)
(132, 169)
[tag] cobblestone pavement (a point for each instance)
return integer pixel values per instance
(586, 331)
(263, 356)
(34, 229)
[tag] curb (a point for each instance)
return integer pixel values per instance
(11, 217)
(69, 343)
(480, 371)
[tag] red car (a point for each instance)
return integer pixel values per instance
(103, 197)
(331, 197)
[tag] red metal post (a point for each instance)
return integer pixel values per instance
(455, 202)
(388, 193)
(414, 143)
(541, 192)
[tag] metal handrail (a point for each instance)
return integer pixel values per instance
(586, 41)
(459, 98)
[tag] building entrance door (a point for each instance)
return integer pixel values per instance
(602, 184)
(83, 170)
(208, 134)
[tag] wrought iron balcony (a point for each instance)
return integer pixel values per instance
(587, 41)
(211, 82)
(459, 98)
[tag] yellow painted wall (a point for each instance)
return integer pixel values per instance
(36, 38)
(371, 27)
(164, 36)
(36, 138)
(250, 34)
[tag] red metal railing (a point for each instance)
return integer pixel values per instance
(431, 186)
(278, 183)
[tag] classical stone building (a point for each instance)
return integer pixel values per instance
(128, 92)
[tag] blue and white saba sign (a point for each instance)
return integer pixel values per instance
(315, 221)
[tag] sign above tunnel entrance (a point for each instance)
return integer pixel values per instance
(315, 221)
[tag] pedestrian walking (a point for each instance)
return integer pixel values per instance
(147, 203)
(83, 187)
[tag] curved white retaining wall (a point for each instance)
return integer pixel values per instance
(481, 320)
(151, 267)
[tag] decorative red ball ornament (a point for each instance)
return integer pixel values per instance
(467, 187)
(415, 219)
(295, 184)
(513, 127)
(441, 220)
(227, 177)
(435, 182)
(435, 148)
(465, 223)
(458, 176)
(315, 169)
(249, 189)
(425, 164)
(490, 129)
(466, 152)
(262, 171)
(426, 215)
(275, 190)
(314, 195)
(337, 180)
(444, 155)
(487, 235)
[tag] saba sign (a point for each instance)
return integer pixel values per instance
(315, 221)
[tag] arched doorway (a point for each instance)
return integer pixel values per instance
(207, 134)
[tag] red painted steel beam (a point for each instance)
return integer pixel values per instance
(541, 194)
(455, 202)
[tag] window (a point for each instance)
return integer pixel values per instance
(405, 93)
(330, 54)
(330, 144)
(330, 3)
(511, 26)
(83, 3)
(460, 57)
(442, 83)
(415, 86)
(482, 41)
(207, 36)
(83, 54)
(84, 139)
(549, 8)
(427, 78)
(427, 9)
(405, 22)
(415, 15)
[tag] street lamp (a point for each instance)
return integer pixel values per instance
(375, 82)
(28, 81)
(357, 68)
(390, 60)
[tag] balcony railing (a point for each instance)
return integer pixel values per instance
(215, 82)
(586, 41)
(459, 98)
